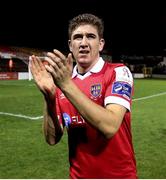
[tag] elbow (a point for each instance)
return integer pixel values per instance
(108, 135)
(110, 132)
(53, 140)
(111, 129)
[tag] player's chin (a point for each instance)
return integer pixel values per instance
(83, 59)
(84, 63)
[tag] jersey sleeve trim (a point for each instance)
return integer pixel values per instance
(117, 100)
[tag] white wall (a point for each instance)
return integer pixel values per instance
(23, 75)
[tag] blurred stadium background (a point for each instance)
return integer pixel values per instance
(23, 150)
(135, 35)
(14, 63)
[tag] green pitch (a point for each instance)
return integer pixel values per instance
(25, 155)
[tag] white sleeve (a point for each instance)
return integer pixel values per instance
(121, 88)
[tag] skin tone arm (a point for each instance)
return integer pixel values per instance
(107, 120)
(44, 81)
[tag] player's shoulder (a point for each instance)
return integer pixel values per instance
(121, 71)
(112, 66)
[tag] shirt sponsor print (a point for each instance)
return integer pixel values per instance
(73, 121)
(67, 119)
(122, 89)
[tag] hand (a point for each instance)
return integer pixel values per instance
(60, 67)
(42, 78)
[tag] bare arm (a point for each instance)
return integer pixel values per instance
(107, 120)
(52, 129)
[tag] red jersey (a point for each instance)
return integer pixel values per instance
(91, 155)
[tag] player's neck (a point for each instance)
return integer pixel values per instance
(81, 73)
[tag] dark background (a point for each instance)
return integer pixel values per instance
(135, 28)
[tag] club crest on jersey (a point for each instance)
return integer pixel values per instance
(95, 90)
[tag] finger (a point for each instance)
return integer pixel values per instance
(51, 55)
(49, 61)
(30, 61)
(53, 66)
(35, 61)
(56, 64)
(31, 64)
(34, 70)
(60, 55)
(40, 62)
(52, 71)
(70, 61)
(54, 59)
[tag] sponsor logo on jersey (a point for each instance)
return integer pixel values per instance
(74, 121)
(78, 121)
(67, 119)
(122, 89)
(95, 90)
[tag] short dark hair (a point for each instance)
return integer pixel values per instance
(84, 19)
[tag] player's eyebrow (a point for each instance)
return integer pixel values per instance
(80, 35)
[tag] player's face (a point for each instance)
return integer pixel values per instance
(86, 45)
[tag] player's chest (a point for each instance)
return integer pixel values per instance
(93, 88)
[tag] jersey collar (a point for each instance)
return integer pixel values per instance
(95, 69)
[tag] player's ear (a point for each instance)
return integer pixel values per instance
(102, 43)
(69, 44)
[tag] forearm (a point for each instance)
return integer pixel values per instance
(52, 128)
(45, 83)
(104, 120)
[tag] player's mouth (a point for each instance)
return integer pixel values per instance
(83, 52)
